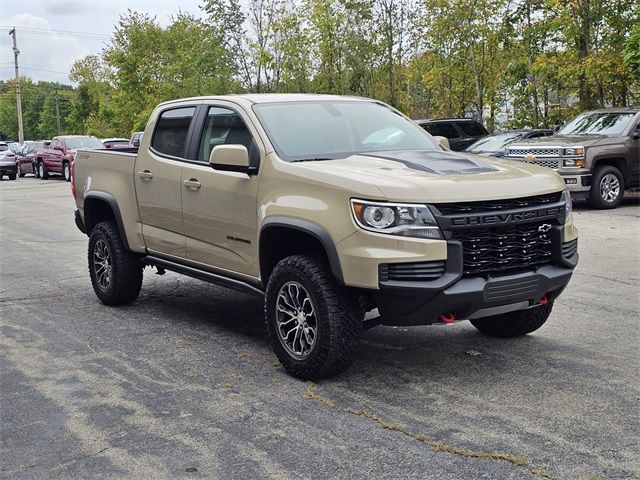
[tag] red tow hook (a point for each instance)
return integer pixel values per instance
(447, 317)
(543, 301)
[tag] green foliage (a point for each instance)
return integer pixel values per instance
(513, 63)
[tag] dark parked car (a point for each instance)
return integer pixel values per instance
(461, 132)
(496, 143)
(26, 160)
(7, 162)
(58, 157)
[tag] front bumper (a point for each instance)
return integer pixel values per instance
(8, 169)
(407, 304)
(579, 184)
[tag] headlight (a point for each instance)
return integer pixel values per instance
(568, 206)
(577, 153)
(409, 220)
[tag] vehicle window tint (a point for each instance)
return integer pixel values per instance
(473, 129)
(222, 127)
(170, 136)
(443, 130)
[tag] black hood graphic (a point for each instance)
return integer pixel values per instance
(436, 162)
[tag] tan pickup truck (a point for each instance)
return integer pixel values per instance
(341, 212)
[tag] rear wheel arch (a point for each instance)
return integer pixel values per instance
(103, 207)
(281, 237)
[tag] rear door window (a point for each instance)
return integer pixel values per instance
(172, 129)
(443, 130)
(472, 129)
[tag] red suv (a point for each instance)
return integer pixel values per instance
(59, 155)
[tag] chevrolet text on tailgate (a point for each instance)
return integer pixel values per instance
(331, 208)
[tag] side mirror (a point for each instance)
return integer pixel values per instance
(636, 134)
(444, 141)
(47, 144)
(58, 148)
(230, 158)
(136, 143)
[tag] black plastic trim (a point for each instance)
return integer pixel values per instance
(111, 201)
(79, 222)
(312, 229)
(215, 278)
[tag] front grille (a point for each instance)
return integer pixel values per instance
(411, 272)
(569, 249)
(538, 152)
(501, 249)
(495, 205)
(549, 163)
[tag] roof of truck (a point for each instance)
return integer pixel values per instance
(253, 98)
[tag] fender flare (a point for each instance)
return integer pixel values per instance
(113, 204)
(316, 231)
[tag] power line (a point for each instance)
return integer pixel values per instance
(61, 33)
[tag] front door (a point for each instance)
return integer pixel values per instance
(158, 181)
(219, 208)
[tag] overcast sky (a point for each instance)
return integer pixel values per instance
(49, 56)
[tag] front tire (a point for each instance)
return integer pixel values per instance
(607, 188)
(34, 170)
(514, 324)
(66, 171)
(314, 324)
(116, 273)
(19, 170)
(42, 171)
(12, 176)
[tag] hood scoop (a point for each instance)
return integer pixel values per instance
(436, 162)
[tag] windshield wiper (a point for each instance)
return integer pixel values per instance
(316, 159)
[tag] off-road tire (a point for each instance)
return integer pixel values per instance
(66, 171)
(339, 316)
(42, 171)
(514, 324)
(595, 197)
(126, 269)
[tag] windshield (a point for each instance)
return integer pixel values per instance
(326, 129)
(494, 143)
(83, 142)
(597, 123)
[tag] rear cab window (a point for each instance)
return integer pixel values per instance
(172, 131)
(442, 130)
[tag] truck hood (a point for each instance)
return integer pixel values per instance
(438, 176)
(563, 141)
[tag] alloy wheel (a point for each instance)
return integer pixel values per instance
(609, 188)
(41, 170)
(67, 173)
(297, 325)
(102, 264)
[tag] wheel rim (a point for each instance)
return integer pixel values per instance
(66, 171)
(102, 264)
(296, 320)
(41, 170)
(609, 188)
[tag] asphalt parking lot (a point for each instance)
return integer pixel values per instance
(183, 383)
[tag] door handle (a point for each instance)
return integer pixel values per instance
(193, 184)
(145, 174)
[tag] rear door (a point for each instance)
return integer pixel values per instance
(219, 207)
(53, 155)
(158, 180)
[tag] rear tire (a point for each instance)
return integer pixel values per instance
(303, 298)
(514, 324)
(12, 176)
(20, 172)
(116, 273)
(607, 188)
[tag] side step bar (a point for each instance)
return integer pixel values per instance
(210, 277)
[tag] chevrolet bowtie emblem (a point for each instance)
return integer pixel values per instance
(529, 158)
(544, 228)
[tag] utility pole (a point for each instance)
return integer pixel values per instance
(16, 52)
(57, 115)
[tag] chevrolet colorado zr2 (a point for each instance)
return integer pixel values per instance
(330, 208)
